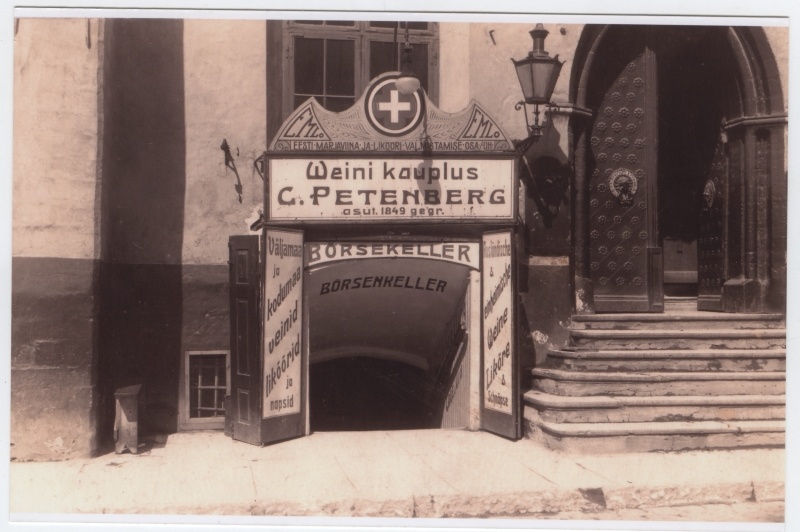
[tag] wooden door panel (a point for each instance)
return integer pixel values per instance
(711, 244)
(245, 353)
(625, 261)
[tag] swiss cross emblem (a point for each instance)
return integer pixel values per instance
(391, 112)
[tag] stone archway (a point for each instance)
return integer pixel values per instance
(750, 248)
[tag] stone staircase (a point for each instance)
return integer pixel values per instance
(675, 381)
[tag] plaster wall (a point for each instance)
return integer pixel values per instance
(454, 66)
(493, 80)
(55, 231)
(56, 137)
(494, 83)
(171, 202)
(225, 98)
(778, 37)
(144, 177)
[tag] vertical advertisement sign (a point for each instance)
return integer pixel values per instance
(283, 324)
(500, 386)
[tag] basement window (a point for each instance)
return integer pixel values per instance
(206, 382)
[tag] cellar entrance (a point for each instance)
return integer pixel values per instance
(388, 344)
(414, 326)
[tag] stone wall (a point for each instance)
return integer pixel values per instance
(123, 203)
(55, 233)
(544, 274)
(171, 202)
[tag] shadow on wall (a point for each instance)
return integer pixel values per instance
(144, 181)
(546, 172)
(544, 272)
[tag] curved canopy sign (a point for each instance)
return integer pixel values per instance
(391, 157)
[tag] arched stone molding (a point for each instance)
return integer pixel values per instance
(761, 127)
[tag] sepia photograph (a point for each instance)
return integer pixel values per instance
(398, 268)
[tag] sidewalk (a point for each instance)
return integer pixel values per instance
(434, 473)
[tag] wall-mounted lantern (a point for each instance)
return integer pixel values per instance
(538, 73)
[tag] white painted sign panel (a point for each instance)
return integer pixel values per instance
(382, 189)
(498, 319)
(283, 328)
(464, 253)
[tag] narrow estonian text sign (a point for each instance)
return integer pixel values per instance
(498, 317)
(374, 189)
(283, 328)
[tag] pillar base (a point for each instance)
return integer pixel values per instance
(742, 295)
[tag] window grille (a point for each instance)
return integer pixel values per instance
(206, 382)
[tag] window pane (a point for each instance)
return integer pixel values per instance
(208, 376)
(338, 104)
(315, 22)
(308, 65)
(207, 402)
(393, 24)
(340, 66)
(381, 58)
(206, 385)
(420, 58)
(299, 100)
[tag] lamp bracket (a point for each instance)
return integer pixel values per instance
(535, 129)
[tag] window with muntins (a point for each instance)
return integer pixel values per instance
(206, 382)
(334, 60)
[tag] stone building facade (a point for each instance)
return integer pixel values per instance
(124, 201)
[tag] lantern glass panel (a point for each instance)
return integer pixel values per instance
(541, 73)
(524, 74)
(554, 78)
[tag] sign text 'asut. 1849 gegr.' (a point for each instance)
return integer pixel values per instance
(283, 328)
(382, 189)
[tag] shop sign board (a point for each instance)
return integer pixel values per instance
(500, 388)
(283, 324)
(464, 253)
(381, 189)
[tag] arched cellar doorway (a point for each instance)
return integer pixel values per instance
(680, 181)
(385, 336)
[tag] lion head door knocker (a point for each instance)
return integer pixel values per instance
(623, 185)
(709, 193)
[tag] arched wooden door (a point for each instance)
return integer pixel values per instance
(624, 257)
(680, 152)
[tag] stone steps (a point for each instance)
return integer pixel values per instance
(675, 381)
(711, 338)
(629, 383)
(677, 321)
(669, 360)
(607, 409)
(659, 436)
(680, 304)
